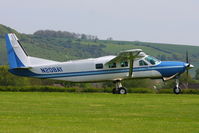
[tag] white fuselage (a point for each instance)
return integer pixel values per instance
(85, 71)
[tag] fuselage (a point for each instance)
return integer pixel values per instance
(96, 69)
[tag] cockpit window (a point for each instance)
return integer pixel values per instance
(142, 63)
(124, 64)
(152, 60)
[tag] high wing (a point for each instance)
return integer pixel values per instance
(128, 55)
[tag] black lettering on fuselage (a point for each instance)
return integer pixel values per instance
(51, 70)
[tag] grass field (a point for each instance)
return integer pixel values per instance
(28, 112)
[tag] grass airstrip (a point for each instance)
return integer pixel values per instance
(45, 112)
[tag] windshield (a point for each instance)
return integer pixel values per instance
(152, 60)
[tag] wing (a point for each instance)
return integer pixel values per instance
(128, 55)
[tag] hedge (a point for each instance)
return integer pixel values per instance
(90, 90)
(51, 89)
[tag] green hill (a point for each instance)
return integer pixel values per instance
(63, 46)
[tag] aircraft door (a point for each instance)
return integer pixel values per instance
(143, 69)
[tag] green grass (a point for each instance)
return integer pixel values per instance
(28, 112)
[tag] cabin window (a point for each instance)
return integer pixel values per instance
(142, 63)
(99, 66)
(113, 65)
(124, 63)
(152, 60)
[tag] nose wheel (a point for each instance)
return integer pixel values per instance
(119, 89)
(177, 89)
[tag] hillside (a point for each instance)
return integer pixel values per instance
(65, 46)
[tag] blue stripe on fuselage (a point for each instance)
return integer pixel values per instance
(166, 68)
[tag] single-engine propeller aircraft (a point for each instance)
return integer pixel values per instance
(129, 64)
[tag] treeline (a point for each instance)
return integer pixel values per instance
(64, 34)
(64, 45)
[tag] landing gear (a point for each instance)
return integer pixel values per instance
(177, 89)
(114, 91)
(122, 90)
(119, 89)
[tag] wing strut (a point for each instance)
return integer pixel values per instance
(131, 66)
(132, 57)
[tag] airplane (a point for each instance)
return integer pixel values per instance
(128, 64)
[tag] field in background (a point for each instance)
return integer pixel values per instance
(63, 46)
(37, 112)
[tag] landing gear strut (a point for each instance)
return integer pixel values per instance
(177, 89)
(119, 89)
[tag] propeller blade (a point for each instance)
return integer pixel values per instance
(187, 73)
(187, 70)
(187, 57)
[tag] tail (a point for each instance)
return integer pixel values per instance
(17, 56)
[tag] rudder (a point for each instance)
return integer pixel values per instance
(17, 57)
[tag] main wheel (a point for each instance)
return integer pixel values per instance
(114, 91)
(122, 90)
(177, 90)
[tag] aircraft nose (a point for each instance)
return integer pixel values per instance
(189, 66)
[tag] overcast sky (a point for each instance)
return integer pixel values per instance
(167, 21)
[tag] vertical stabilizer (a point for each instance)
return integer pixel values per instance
(17, 57)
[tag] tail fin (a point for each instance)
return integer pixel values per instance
(17, 57)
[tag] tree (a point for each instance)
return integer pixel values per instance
(9, 79)
(83, 37)
(110, 39)
(197, 74)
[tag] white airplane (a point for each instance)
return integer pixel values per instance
(129, 64)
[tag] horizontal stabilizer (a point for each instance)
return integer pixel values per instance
(23, 68)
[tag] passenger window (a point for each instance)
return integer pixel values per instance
(99, 66)
(142, 63)
(113, 65)
(124, 64)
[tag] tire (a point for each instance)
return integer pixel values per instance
(122, 90)
(114, 91)
(177, 90)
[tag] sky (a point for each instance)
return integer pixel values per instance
(163, 21)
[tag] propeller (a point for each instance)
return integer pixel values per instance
(188, 66)
(187, 61)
